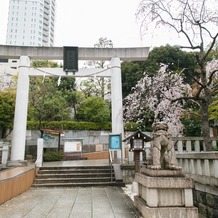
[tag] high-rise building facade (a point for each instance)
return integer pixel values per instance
(31, 23)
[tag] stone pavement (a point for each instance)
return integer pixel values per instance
(90, 202)
(94, 202)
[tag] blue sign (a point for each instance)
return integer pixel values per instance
(115, 141)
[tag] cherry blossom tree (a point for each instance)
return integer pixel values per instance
(196, 21)
(156, 93)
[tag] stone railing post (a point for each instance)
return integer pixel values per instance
(180, 146)
(188, 146)
(5, 153)
(197, 146)
(39, 160)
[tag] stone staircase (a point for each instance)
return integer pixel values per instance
(78, 176)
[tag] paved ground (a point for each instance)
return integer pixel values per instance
(107, 202)
(94, 202)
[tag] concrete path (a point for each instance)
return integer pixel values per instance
(92, 202)
(107, 202)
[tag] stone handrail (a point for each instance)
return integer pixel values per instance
(4, 148)
(201, 167)
(190, 144)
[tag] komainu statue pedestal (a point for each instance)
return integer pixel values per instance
(164, 194)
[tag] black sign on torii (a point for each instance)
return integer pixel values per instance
(70, 59)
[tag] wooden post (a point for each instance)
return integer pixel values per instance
(137, 161)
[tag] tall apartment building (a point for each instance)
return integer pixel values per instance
(31, 23)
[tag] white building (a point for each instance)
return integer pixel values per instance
(31, 23)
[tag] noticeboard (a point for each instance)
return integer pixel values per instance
(115, 141)
(72, 146)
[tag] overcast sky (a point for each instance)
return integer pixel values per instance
(82, 22)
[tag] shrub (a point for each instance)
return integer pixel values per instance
(53, 156)
(74, 125)
(69, 125)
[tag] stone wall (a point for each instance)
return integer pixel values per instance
(206, 203)
(128, 171)
(92, 141)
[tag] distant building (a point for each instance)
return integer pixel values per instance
(31, 23)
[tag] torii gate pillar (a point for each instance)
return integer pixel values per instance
(21, 107)
(116, 102)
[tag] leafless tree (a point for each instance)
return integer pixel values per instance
(197, 21)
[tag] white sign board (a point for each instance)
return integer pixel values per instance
(73, 146)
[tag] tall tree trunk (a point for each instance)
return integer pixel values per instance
(205, 101)
(102, 88)
(205, 124)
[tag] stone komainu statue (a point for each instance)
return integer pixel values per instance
(163, 154)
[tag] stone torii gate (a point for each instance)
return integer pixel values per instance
(25, 54)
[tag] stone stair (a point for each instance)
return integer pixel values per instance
(78, 176)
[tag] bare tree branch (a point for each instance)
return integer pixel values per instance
(187, 98)
(211, 46)
(211, 77)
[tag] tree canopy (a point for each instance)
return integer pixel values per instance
(174, 57)
(7, 107)
(51, 98)
(94, 109)
(132, 72)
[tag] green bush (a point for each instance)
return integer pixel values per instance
(69, 125)
(74, 125)
(53, 156)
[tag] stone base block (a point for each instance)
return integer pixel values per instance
(165, 191)
(164, 212)
(162, 173)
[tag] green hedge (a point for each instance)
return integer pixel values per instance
(73, 125)
(69, 125)
(53, 156)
